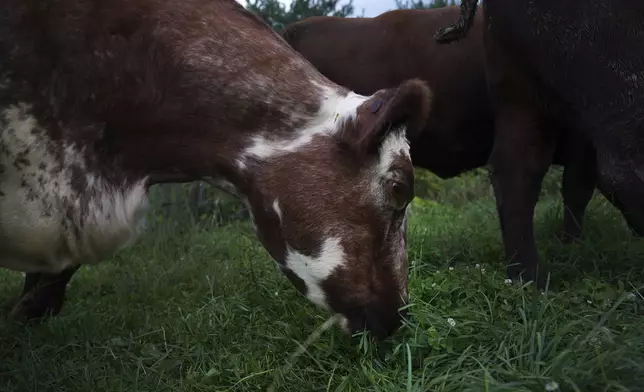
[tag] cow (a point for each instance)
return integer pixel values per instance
(100, 100)
(579, 64)
(368, 54)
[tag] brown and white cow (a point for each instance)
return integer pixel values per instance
(580, 64)
(99, 100)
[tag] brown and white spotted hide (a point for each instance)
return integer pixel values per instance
(99, 100)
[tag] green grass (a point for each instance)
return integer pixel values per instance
(204, 309)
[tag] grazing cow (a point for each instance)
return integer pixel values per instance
(368, 54)
(579, 63)
(99, 100)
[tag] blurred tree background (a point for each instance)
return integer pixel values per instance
(423, 4)
(277, 15)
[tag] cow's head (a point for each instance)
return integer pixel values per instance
(329, 202)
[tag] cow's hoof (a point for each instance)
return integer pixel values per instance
(36, 308)
(524, 277)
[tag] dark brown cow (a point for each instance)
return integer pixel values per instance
(99, 100)
(579, 63)
(367, 54)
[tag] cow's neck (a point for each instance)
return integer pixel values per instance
(225, 151)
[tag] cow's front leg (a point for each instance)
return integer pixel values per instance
(520, 158)
(43, 294)
(620, 181)
(578, 185)
(31, 280)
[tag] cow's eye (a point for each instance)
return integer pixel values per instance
(400, 194)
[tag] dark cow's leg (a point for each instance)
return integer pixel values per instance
(524, 147)
(43, 294)
(578, 186)
(31, 280)
(636, 230)
(581, 177)
(624, 187)
(520, 159)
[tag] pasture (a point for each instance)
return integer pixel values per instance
(201, 307)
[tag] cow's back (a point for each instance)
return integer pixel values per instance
(600, 42)
(367, 54)
(84, 84)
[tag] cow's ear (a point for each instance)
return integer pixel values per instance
(388, 110)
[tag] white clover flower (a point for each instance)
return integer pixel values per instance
(482, 270)
(451, 322)
(477, 265)
(451, 268)
(552, 386)
(508, 281)
(589, 301)
(631, 296)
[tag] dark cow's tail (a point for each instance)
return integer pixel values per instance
(459, 29)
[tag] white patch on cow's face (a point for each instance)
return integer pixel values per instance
(393, 146)
(47, 224)
(335, 108)
(314, 270)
